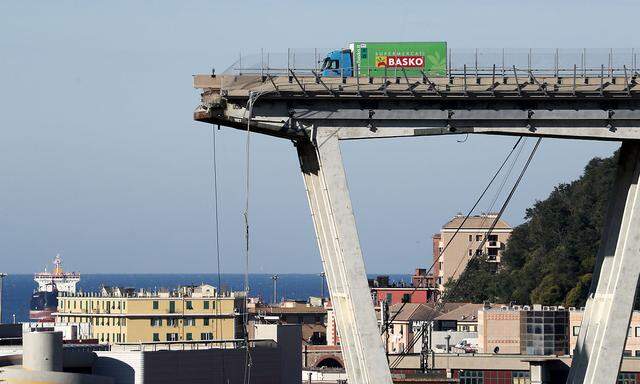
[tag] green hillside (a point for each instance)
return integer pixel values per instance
(550, 257)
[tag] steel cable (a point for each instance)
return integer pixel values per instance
(457, 229)
(399, 359)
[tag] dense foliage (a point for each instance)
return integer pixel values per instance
(550, 257)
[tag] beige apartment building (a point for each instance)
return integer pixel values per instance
(472, 239)
(116, 315)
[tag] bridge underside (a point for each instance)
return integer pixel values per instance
(316, 113)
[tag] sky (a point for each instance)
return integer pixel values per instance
(101, 161)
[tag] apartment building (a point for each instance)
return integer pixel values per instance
(472, 239)
(117, 315)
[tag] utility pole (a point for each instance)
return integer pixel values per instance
(2, 276)
(275, 288)
(384, 330)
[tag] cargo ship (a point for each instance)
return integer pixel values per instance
(44, 301)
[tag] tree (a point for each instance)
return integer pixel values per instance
(549, 258)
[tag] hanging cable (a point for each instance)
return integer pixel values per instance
(495, 175)
(218, 257)
(450, 291)
(253, 97)
(245, 316)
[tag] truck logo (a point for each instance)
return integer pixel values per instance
(383, 61)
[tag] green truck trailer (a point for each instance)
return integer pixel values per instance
(373, 59)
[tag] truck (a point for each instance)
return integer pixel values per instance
(374, 59)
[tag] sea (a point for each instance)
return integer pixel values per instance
(18, 288)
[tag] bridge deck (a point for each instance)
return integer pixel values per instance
(305, 86)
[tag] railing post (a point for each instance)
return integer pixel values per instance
(611, 62)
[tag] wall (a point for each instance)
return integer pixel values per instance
(419, 295)
(499, 329)
(119, 320)
(454, 259)
(288, 338)
(632, 346)
(18, 375)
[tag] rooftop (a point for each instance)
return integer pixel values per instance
(465, 312)
(476, 222)
(190, 291)
(413, 312)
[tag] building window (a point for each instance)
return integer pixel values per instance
(478, 252)
(520, 375)
(471, 377)
(189, 337)
(637, 353)
(172, 322)
(389, 298)
(205, 321)
(172, 306)
(156, 322)
(156, 304)
(576, 330)
(190, 322)
(156, 337)
(626, 353)
(626, 378)
(124, 321)
(206, 336)
(406, 298)
(172, 337)
(470, 238)
(189, 304)
(470, 252)
(206, 304)
(478, 237)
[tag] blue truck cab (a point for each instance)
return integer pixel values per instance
(338, 64)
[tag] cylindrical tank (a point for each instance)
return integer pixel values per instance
(42, 351)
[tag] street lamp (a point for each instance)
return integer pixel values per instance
(275, 288)
(322, 275)
(2, 276)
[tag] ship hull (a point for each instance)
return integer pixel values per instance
(43, 306)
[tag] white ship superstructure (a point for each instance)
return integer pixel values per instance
(58, 279)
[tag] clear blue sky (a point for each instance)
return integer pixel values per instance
(100, 159)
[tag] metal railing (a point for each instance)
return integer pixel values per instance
(478, 63)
